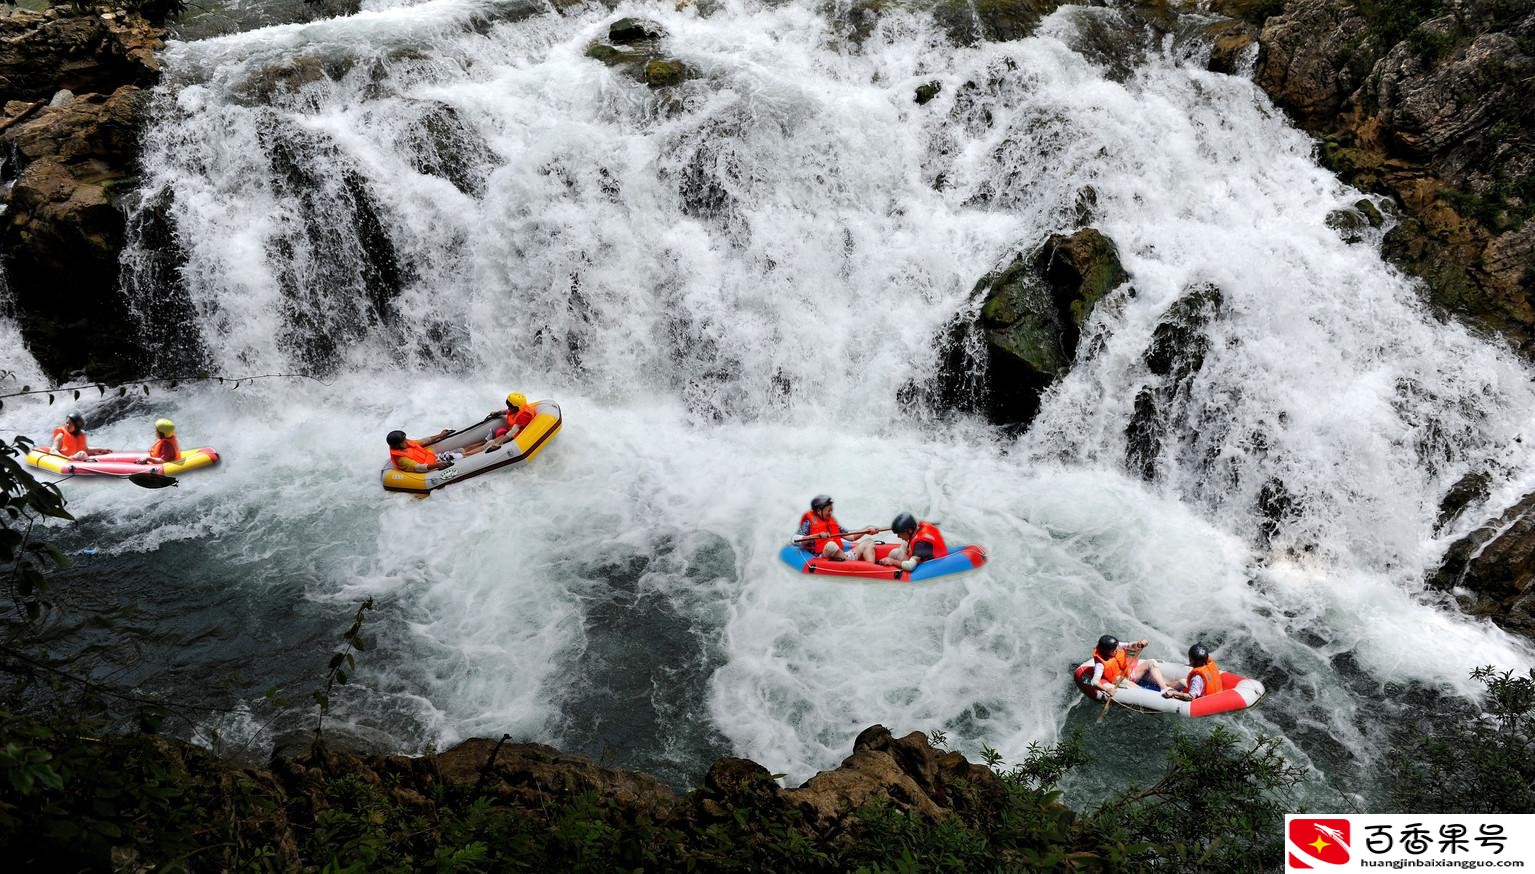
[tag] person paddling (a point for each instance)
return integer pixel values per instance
(413, 457)
(921, 541)
(1112, 662)
(822, 534)
(69, 440)
(1204, 679)
(166, 448)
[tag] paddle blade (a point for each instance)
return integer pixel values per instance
(152, 480)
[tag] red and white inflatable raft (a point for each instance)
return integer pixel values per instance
(1238, 693)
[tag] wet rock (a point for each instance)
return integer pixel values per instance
(1430, 111)
(1231, 42)
(661, 73)
(70, 84)
(928, 91)
(1175, 355)
(1492, 569)
(63, 228)
(972, 21)
(85, 53)
(634, 47)
(627, 31)
(1029, 325)
(1473, 488)
(1309, 60)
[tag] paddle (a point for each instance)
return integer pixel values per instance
(1108, 697)
(800, 538)
(149, 480)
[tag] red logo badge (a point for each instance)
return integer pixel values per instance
(1317, 842)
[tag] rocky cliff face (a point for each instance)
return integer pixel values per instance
(71, 87)
(1428, 103)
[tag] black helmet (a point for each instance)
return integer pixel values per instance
(1107, 644)
(1198, 655)
(396, 439)
(820, 501)
(904, 523)
(76, 420)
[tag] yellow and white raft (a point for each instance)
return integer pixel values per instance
(529, 442)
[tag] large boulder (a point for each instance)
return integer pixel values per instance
(73, 109)
(1030, 321)
(63, 228)
(1492, 570)
(43, 52)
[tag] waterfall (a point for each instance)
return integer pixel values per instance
(737, 288)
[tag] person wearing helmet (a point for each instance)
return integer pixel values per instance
(69, 440)
(822, 534)
(1204, 677)
(1113, 662)
(413, 457)
(518, 415)
(166, 448)
(921, 542)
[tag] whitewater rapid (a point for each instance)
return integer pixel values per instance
(731, 288)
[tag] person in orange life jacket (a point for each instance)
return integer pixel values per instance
(69, 440)
(412, 457)
(518, 416)
(921, 542)
(166, 448)
(1204, 679)
(820, 533)
(1112, 662)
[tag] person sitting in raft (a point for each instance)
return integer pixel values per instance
(166, 448)
(518, 415)
(922, 542)
(1204, 679)
(1112, 662)
(411, 456)
(822, 534)
(69, 440)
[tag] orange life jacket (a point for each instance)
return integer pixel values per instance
(1212, 675)
(415, 452)
(520, 419)
(166, 449)
(827, 528)
(69, 443)
(927, 533)
(1114, 667)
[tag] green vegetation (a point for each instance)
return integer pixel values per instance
(1483, 762)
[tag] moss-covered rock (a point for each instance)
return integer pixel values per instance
(660, 73)
(1029, 324)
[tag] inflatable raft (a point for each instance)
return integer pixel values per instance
(528, 443)
(1237, 693)
(959, 560)
(121, 463)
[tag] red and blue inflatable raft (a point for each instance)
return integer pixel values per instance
(959, 560)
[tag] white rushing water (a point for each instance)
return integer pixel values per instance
(727, 285)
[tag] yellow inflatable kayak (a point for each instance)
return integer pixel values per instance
(121, 463)
(529, 442)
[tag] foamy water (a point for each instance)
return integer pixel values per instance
(726, 285)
